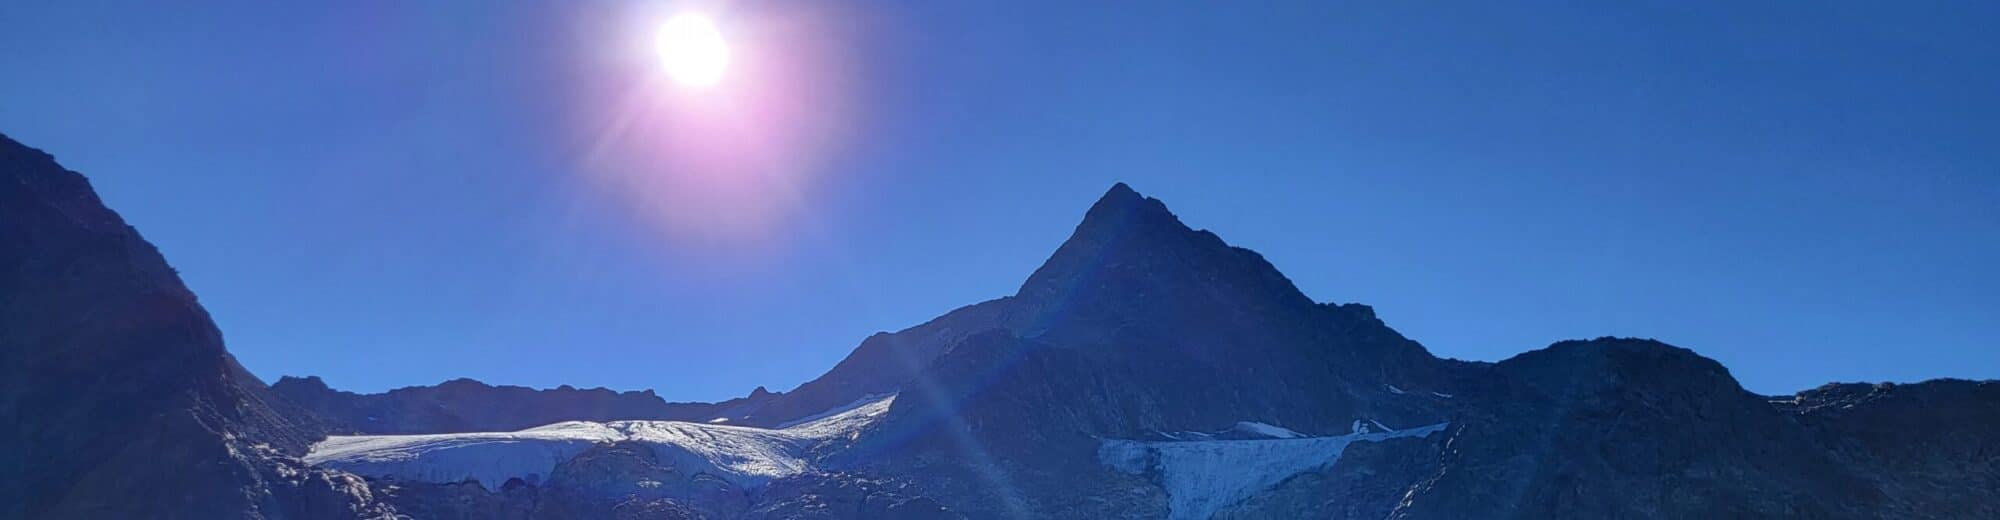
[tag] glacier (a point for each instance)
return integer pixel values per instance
(745, 456)
(1266, 430)
(1204, 476)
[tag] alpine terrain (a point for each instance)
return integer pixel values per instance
(1146, 370)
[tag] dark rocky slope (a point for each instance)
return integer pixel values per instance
(117, 399)
(1930, 449)
(1630, 428)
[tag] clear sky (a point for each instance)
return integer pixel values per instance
(397, 193)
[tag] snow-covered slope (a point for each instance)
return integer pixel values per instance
(1204, 476)
(744, 456)
(1265, 430)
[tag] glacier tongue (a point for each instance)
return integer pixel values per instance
(746, 457)
(1202, 477)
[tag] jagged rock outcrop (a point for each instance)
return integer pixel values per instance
(117, 399)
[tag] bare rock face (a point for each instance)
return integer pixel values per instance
(117, 399)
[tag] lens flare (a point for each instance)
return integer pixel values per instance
(692, 50)
(726, 167)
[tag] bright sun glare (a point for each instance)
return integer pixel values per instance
(692, 50)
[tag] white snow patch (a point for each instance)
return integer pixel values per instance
(1202, 477)
(747, 457)
(846, 422)
(1186, 436)
(863, 402)
(490, 458)
(1275, 432)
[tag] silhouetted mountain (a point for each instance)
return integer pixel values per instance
(117, 399)
(1134, 285)
(1139, 326)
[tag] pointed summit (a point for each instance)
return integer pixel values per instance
(1131, 258)
(1119, 195)
(1122, 208)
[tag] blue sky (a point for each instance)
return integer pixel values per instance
(389, 194)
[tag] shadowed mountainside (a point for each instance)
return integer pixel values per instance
(117, 399)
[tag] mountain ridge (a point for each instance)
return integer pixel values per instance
(467, 405)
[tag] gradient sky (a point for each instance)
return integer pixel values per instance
(397, 193)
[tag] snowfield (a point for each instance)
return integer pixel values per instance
(747, 457)
(1266, 430)
(1204, 476)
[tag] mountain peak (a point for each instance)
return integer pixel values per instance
(1121, 207)
(1120, 193)
(1130, 256)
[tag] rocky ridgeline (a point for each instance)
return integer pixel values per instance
(465, 405)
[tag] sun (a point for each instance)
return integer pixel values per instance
(692, 50)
